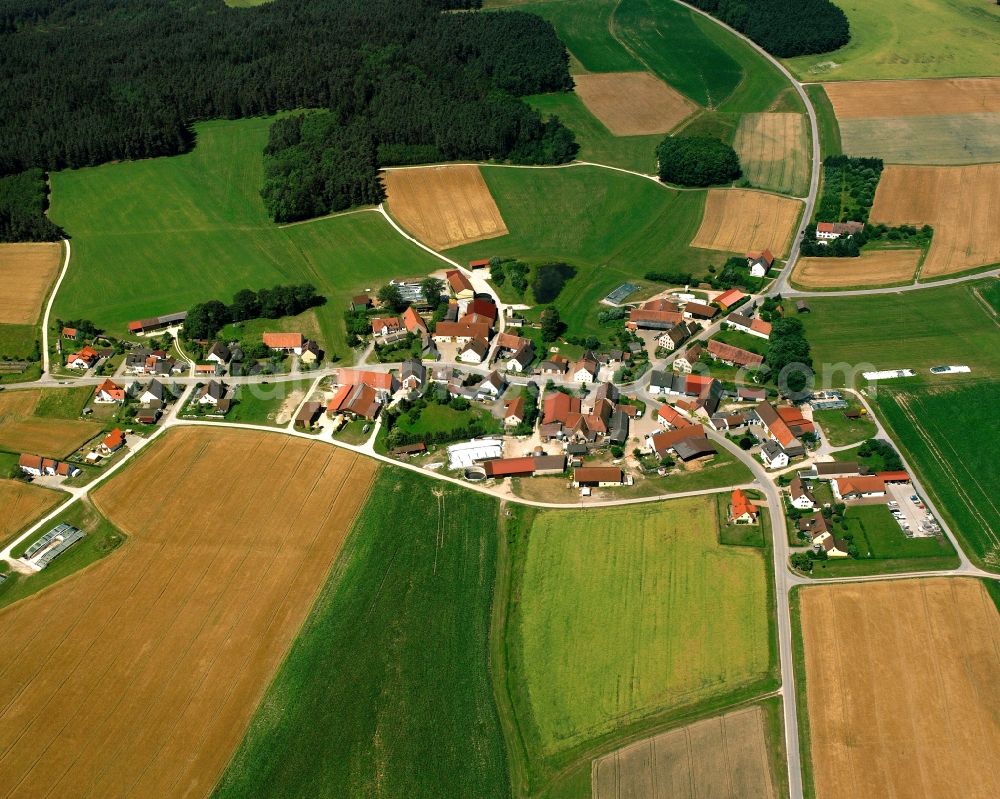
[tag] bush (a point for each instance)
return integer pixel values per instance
(549, 281)
(697, 161)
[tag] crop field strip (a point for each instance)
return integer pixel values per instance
(26, 273)
(443, 206)
(872, 268)
(902, 702)
(961, 203)
(738, 220)
(609, 601)
(22, 503)
(194, 226)
(182, 629)
(724, 757)
(22, 431)
(633, 103)
(773, 151)
(906, 39)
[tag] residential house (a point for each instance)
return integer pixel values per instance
(755, 327)
(219, 353)
(149, 412)
(358, 400)
(671, 339)
(670, 418)
(800, 496)
(828, 231)
(784, 428)
(85, 358)
(112, 442)
(556, 365)
(707, 391)
(37, 466)
(212, 392)
(384, 383)
(833, 547)
(492, 387)
(414, 322)
(726, 422)
(522, 359)
(686, 360)
(209, 370)
(734, 356)
(311, 353)
(383, 326)
(460, 285)
(729, 298)
(474, 351)
(154, 392)
(412, 374)
(772, 454)
(760, 263)
(599, 477)
(109, 391)
(832, 470)
(513, 412)
(814, 525)
(858, 487)
(585, 371)
(285, 342)
(741, 509)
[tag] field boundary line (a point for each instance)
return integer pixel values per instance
(367, 209)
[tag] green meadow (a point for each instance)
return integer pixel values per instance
(910, 39)
(160, 235)
(386, 691)
(612, 226)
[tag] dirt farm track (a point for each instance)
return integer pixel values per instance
(139, 676)
(901, 678)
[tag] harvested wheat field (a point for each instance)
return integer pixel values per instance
(444, 206)
(633, 103)
(26, 272)
(866, 99)
(871, 268)
(961, 203)
(723, 758)
(774, 151)
(22, 432)
(138, 676)
(901, 680)
(737, 220)
(23, 503)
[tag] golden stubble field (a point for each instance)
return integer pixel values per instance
(22, 503)
(26, 272)
(961, 203)
(633, 103)
(725, 757)
(867, 99)
(774, 151)
(22, 432)
(901, 679)
(138, 676)
(444, 206)
(739, 220)
(871, 268)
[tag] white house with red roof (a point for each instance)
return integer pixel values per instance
(109, 391)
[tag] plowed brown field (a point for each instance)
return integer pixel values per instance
(633, 103)
(902, 689)
(737, 220)
(26, 272)
(868, 99)
(444, 206)
(961, 203)
(872, 268)
(723, 758)
(138, 676)
(22, 432)
(22, 503)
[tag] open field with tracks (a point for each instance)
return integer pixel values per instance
(946, 325)
(387, 690)
(608, 602)
(26, 273)
(961, 203)
(195, 227)
(910, 39)
(871, 268)
(725, 757)
(22, 504)
(633, 103)
(24, 429)
(958, 467)
(774, 152)
(443, 206)
(737, 220)
(139, 675)
(902, 703)
(612, 227)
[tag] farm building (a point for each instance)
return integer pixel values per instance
(46, 549)
(143, 326)
(479, 263)
(755, 327)
(383, 326)
(412, 374)
(461, 332)
(662, 442)
(734, 356)
(859, 487)
(744, 394)
(513, 412)
(414, 322)
(460, 285)
(599, 477)
(359, 400)
(828, 231)
(382, 382)
(468, 453)
(308, 414)
(690, 449)
(729, 298)
(284, 342)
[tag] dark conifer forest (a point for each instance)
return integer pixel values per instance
(90, 81)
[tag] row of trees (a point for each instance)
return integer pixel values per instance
(850, 246)
(697, 161)
(206, 319)
(398, 81)
(787, 348)
(785, 28)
